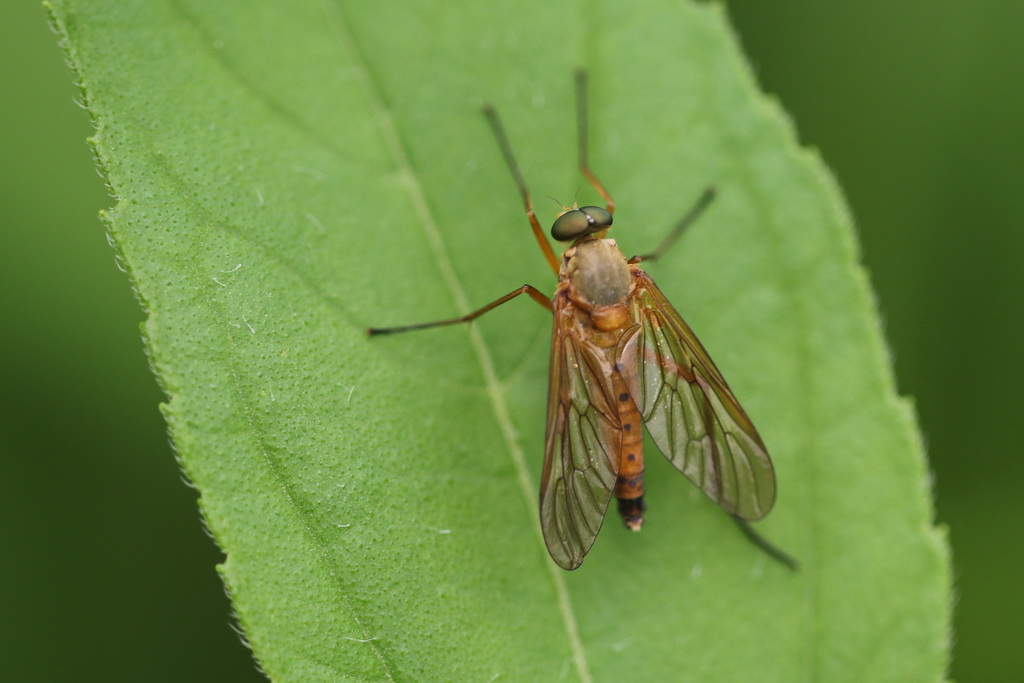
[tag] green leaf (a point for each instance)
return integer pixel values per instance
(288, 174)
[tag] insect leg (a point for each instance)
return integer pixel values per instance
(534, 293)
(764, 544)
(692, 215)
(582, 124)
(513, 166)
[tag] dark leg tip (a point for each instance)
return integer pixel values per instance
(773, 551)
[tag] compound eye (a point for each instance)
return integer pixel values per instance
(574, 224)
(600, 218)
(570, 225)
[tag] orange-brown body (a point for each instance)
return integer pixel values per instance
(622, 356)
(598, 281)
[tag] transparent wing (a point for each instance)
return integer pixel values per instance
(581, 453)
(688, 408)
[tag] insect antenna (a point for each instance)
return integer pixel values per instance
(560, 204)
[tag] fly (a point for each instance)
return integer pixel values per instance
(623, 358)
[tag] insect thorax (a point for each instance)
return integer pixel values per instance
(598, 272)
(599, 280)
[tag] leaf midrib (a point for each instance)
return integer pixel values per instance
(418, 200)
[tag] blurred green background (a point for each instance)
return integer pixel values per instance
(918, 108)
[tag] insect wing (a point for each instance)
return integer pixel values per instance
(688, 408)
(583, 442)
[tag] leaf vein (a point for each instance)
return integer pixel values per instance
(417, 198)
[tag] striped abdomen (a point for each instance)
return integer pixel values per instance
(629, 487)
